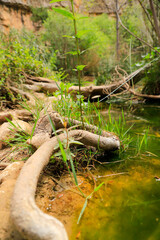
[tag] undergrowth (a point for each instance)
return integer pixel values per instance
(22, 54)
(67, 107)
(79, 158)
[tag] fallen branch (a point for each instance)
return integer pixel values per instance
(146, 96)
(39, 84)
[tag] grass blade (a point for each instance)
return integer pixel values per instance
(82, 211)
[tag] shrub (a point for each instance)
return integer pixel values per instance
(151, 77)
(39, 14)
(96, 41)
(152, 80)
(21, 54)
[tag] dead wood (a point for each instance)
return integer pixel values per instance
(39, 84)
(89, 127)
(50, 86)
(8, 132)
(146, 96)
(22, 114)
(8, 172)
(88, 91)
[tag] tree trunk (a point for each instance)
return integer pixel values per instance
(155, 20)
(117, 30)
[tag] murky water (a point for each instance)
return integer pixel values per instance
(127, 207)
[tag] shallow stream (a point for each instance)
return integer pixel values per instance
(127, 206)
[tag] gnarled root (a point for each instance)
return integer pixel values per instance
(27, 217)
(43, 130)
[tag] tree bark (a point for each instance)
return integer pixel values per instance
(155, 20)
(117, 30)
(29, 220)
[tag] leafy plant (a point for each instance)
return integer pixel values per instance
(152, 73)
(86, 201)
(79, 68)
(22, 54)
(39, 14)
(96, 42)
(67, 155)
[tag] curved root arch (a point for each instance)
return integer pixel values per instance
(27, 217)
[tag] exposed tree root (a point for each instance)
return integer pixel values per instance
(146, 96)
(15, 114)
(3, 165)
(27, 217)
(39, 84)
(22, 93)
(44, 131)
(39, 79)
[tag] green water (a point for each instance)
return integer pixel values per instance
(127, 207)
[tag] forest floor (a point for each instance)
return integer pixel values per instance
(56, 196)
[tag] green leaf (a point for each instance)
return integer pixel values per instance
(11, 123)
(73, 169)
(72, 53)
(58, 154)
(80, 67)
(76, 142)
(51, 122)
(149, 11)
(81, 33)
(63, 12)
(97, 188)
(62, 151)
(82, 211)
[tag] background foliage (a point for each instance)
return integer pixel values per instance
(52, 50)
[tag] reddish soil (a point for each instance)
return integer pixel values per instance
(60, 199)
